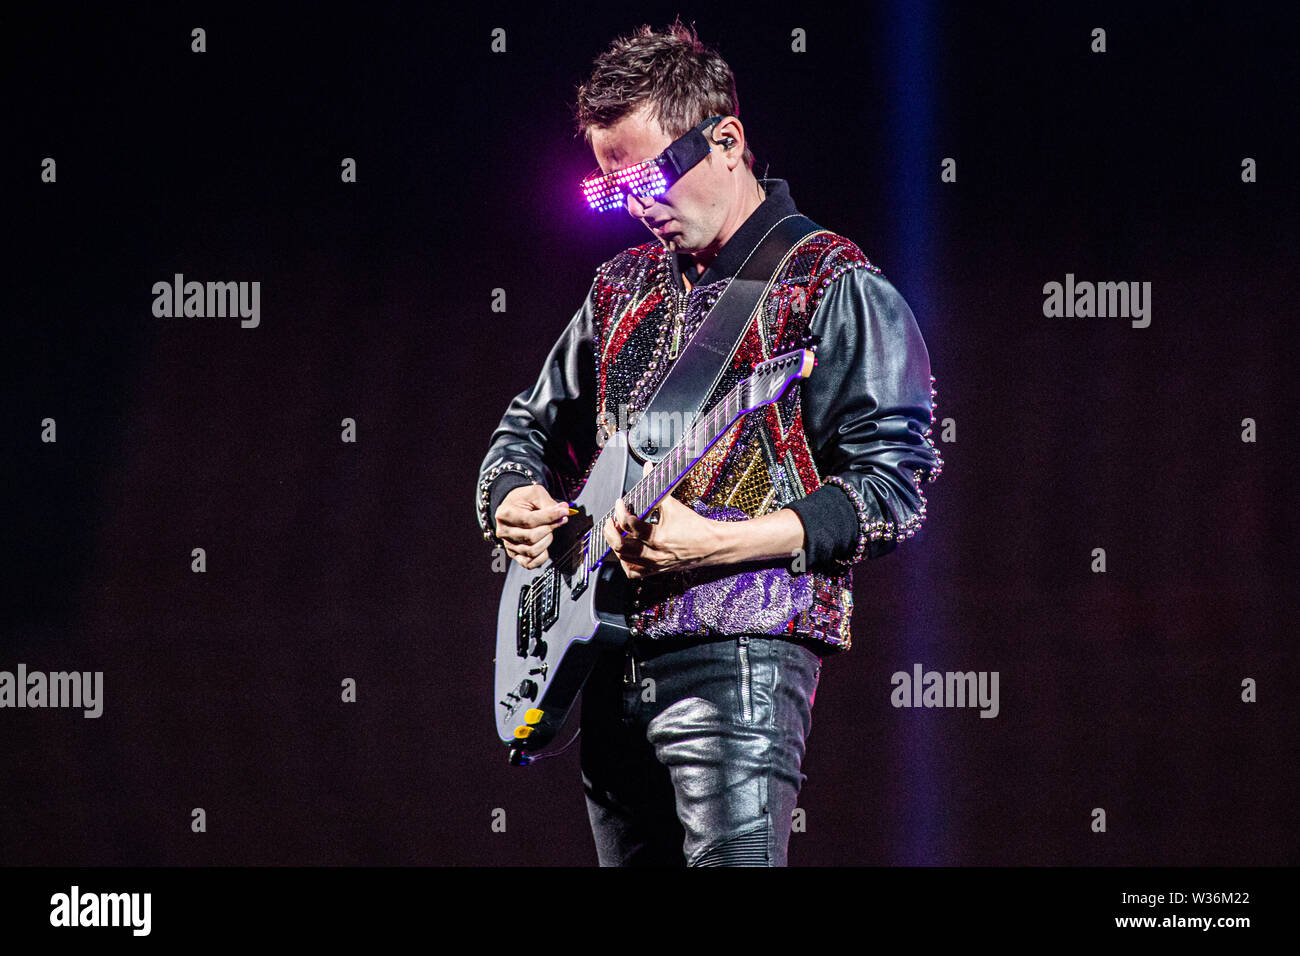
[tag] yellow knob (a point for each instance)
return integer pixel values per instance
(522, 731)
(532, 716)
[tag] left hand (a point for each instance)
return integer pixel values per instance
(680, 540)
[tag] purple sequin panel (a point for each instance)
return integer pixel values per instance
(759, 601)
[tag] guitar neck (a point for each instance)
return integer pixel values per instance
(662, 477)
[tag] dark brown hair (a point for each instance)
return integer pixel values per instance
(684, 81)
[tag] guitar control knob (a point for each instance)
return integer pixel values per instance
(528, 689)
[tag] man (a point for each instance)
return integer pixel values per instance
(693, 737)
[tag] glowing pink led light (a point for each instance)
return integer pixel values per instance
(606, 192)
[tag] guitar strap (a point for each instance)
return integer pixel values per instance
(707, 356)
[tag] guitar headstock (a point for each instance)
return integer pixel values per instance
(770, 379)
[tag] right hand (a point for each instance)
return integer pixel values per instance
(526, 522)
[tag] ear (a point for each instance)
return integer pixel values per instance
(729, 137)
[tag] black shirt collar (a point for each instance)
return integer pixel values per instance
(732, 255)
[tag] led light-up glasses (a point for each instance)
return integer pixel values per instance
(645, 180)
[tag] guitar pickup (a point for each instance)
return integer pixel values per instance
(539, 608)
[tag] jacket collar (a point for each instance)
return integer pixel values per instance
(731, 256)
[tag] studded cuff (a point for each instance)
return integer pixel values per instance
(871, 528)
(932, 473)
(868, 529)
(830, 522)
(485, 492)
(876, 529)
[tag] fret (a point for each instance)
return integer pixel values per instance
(662, 479)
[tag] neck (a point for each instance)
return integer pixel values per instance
(748, 197)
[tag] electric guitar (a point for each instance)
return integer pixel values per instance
(553, 621)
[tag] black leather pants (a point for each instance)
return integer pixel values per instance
(691, 751)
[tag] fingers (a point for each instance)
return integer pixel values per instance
(526, 527)
(625, 535)
(530, 497)
(631, 523)
(525, 524)
(524, 516)
(531, 564)
(624, 547)
(532, 555)
(628, 546)
(525, 530)
(627, 550)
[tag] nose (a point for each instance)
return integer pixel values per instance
(636, 208)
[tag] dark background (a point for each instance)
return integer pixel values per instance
(329, 560)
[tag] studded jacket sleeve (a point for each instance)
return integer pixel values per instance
(867, 412)
(548, 433)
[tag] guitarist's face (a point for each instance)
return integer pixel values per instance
(704, 207)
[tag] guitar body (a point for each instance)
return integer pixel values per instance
(548, 639)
